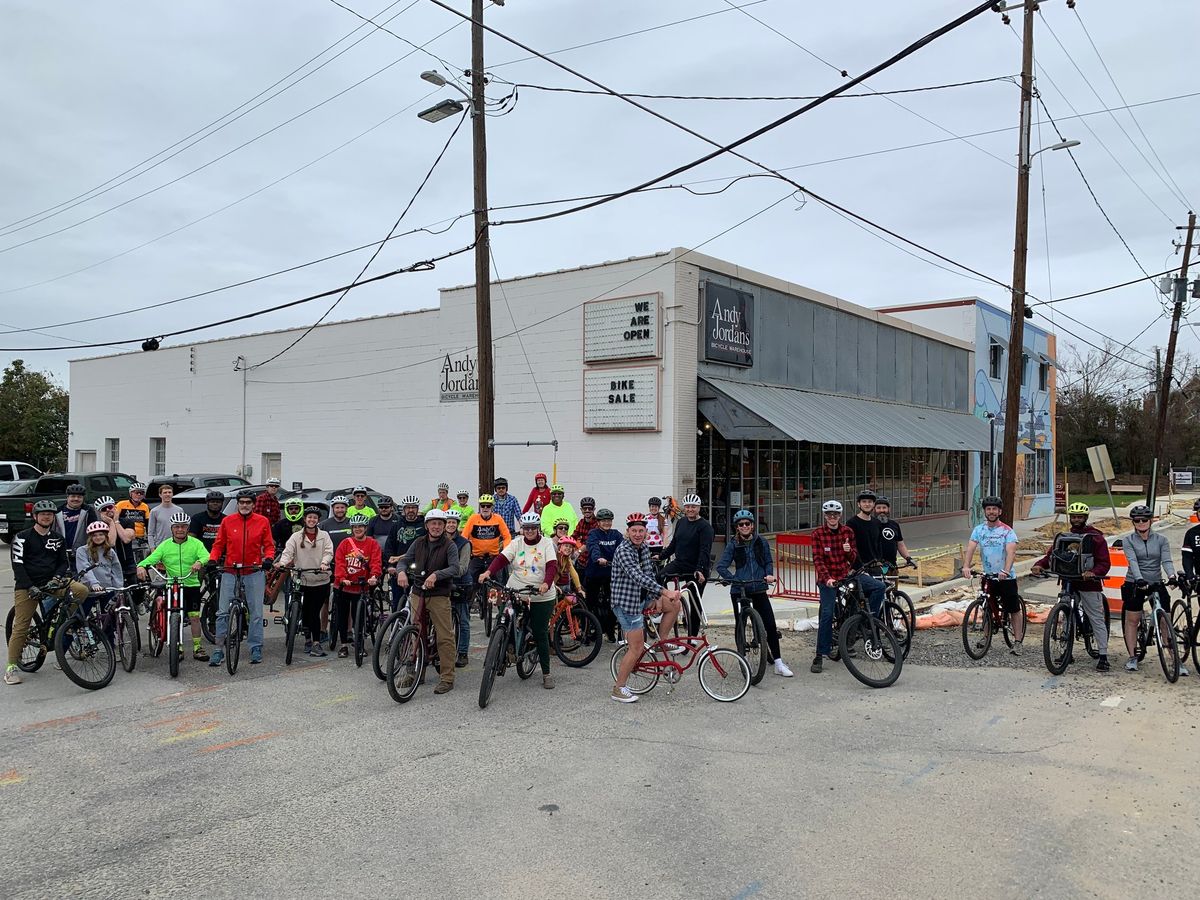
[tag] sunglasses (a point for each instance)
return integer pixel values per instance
(107, 508)
(745, 524)
(246, 500)
(485, 506)
(1140, 519)
(385, 506)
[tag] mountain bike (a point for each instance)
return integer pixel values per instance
(1183, 623)
(1067, 623)
(239, 616)
(889, 573)
(370, 608)
(866, 641)
(76, 631)
(749, 632)
(164, 625)
(985, 616)
(412, 652)
(512, 641)
(1158, 631)
(293, 615)
(575, 635)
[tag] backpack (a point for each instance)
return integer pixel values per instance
(1071, 556)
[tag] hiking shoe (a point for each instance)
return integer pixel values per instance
(1131, 666)
(548, 682)
(1015, 649)
(317, 650)
(343, 651)
(1102, 665)
(12, 675)
(461, 662)
(199, 653)
(444, 687)
(782, 669)
(623, 695)
(217, 658)
(815, 668)
(308, 646)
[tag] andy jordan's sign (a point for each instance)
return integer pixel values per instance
(459, 378)
(728, 325)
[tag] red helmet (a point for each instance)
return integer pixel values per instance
(636, 518)
(568, 542)
(541, 475)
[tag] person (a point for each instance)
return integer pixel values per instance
(244, 539)
(997, 545)
(538, 497)
(98, 562)
(133, 514)
(158, 526)
(72, 521)
(567, 579)
(39, 559)
(866, 528)
(753, 572)
(562, 529)
(1090, 589)
(182, 555)
(689, 552)
(1147, 555)
(460, 594)
(556, 509)
(381, 525)
(357, 557)
(337, 526)
(311, 548)
(406, 530)
(360, 506)
(891, 538)
(266, 504)
(587, 521)
(487, 534)
(434, 561)
(834, 556)
(289, 523)
(602, 543)
(671, 514)
(656, 524)
(1191, 546)
(206, 523)
(507, 507)
(442, 501)
(465, 510)
(532, 562)
(632, 582)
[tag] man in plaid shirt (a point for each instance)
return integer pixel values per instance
(834, 558)
(632, 581)
(507, 506)
(267, 503)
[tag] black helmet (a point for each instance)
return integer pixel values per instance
(213, 495)
(385, 500)
(77, 489)
(866, 494)
(1196, 505)
(1140, 511)
(992, 501)
(882, 501)
(654, 501)
(500, 482)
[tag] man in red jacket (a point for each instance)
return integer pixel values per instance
(357, 557)
(244, 540)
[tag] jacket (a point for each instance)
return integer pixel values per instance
(752, 563)
(439, 558)
(178, 558)
(107, 572)
(550, 513)
(303, 553)
(830, 559)
(36, 558)
(267, 507)
(1100, 558)
(245, 540)
(86, 516)
(354, 560)
(691, 545)
(1147, 559)
(487, 536)
(463, 582)
(1191, 547)
(601, 544)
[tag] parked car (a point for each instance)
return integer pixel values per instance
(16, 510)
(183, 483)
(316, 498)
(18, 471)
(192, 501)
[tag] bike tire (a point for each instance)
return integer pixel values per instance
(493, 663)
(1181, 624)
(641, 681)
(33, 654)
(896, 619)
(977, 629)
(1006, 627)
(750, 638)
(127, 640)
(360, 635)
(1168, 648)
(293, 628)
(489, 616)
(527, 659)
(577, 638)
(724, 675)
(864, 639)
(208, 617)
(1058, 638)
(85, 654)
(156, 626)
(904, 601)
(1141, 641)
(174, 628)
(233, 640)
(387, 633)
(406, 663)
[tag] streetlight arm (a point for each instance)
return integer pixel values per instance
(1061, 145)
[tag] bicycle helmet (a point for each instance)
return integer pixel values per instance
(45, 506)
(385, 500)
(180, 518)
(866, 494)
(561, 523)
(359, 519)
(340, 498)
(453, 514)
(531, 518)
(1135, 512)
(500, 482)
(743, 515)
(273, 481)
(690, 500)
(1196, 506)
(137, 486)
(443, 486)
(432, 515)
(654, 501)
(293, 503)
(568, 541)
(487, 500)
(76, 489)
(587, 501)
(992, 501)
(831, 506)
(104, 501)
(883, 501)
(557, 489)
(635, 518)
(604, 513)
(359, 489)
(1079, 509)
(96, 527)
(541, 475)
(410, 500)
(213, 495)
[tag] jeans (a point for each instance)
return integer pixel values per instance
(254, 584)
(825, 623)
(464, 623)
(874, 589)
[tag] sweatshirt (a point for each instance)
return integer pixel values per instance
(1191, 547)
(601, 544)
(354, 560)
(529, 565)
(487, 536)
(36, 558)
(691, 545)
(305, 553)
(538, 499)
(1148, 558)
(158, 526)
(107, 573)
(1100, 558)
(401, 537)
(178, 558)
(552, 512)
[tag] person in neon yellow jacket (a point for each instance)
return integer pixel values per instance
(556, 509)
(182, 556)
(464, 511)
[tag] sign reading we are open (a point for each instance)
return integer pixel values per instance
(622, 328)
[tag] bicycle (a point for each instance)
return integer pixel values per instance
(511, 640)
(1163, 634)
(724, 674)
(210, 601)
(575, 634)
(84, 651)
(749, 632)
(369, 610)
(121, 624)
(293, 615)
(412, 651)
(866, 641)
(889, 573)
(1066, 624)
(691, 613)
(164, 625)
(239, 615)
(984, 617)
(1182, 621)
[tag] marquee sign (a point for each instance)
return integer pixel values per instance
(728, 325)
(622, 328)
(621, 399)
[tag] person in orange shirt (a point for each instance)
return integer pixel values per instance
(488, 536)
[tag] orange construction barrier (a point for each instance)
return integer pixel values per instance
(795, 576)
(1115, 578)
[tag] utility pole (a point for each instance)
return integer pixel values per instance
(1012, 397)
(483, 284)
(1164, 384)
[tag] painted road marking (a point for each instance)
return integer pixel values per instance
(342, 699)
(199, 690)
(174, 720)
(750, 890)
(1112, 702)
(184, 733)
(58, 723)
(927, 769)
(242, 742)
(11, 777)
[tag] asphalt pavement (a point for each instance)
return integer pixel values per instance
(310, 781)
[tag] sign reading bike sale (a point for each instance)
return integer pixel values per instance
(728, 325)
(622, 328)
(624, 399)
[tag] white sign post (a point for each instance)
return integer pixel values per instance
(1102, 470)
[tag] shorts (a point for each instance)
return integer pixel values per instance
(1133, 600)
(191, 600)
(628, 622)
(1005, 589)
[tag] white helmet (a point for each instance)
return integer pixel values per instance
(831, 506)
(435, 514)
(411, 500)
(690, 500)
(104, 501)
(452, 514)
(181, 518)
(531, 518)
(340, 498)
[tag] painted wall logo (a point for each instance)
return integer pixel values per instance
(729, 325)
(459, 381)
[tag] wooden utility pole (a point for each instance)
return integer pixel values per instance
(483, 283)
(1164, 384)
(1016, 339)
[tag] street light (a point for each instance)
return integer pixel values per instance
(1061, 145)
(443, 110)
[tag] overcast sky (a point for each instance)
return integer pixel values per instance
(94, 89)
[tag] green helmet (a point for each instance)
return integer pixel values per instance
(45, 506)
(290, 504)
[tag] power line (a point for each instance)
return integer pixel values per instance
(1103, 290)
(342, 296)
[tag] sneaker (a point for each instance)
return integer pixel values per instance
(623, 695)
(317, 650)
(815, 668)
(217, 658)
(1102, 665)
(12, 675)
(444, 687)
(548, 682)
(1182, 670)
(782, 669)
(407, 682)
(199, 653)
(676, 649)
(255, 657)
(308, 646)
(461, 662)
(343, 651)
(1131, 666)
(1015, 649)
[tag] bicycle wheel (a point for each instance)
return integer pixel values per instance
(904, 601)
(724, 675)
(493, 664)
(1195, 639)
(750, 638)
(577, 638)
(527, 659)
(642, 679)
(33, 654)
(977, 629)
(208, 616)
(896, 619)
(127, 640)
(85, 654)
(870, 650)
(156, 626)
(233, 638)
(1058, 638)
(406, 664)
(1006, 626)
(360, 632)
(387, 633)
(1142, 640)
(293, 628)
(174, 635)
(489, 616)
(692, 612)
(1168, 647)
(1181, 624)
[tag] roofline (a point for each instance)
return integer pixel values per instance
(583, 268)
(930, 304)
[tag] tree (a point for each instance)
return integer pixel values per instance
(34, 413)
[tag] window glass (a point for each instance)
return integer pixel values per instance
(24, 471)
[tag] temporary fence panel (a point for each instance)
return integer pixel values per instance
(795, 576)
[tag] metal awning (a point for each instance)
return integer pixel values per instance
(742, 410)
